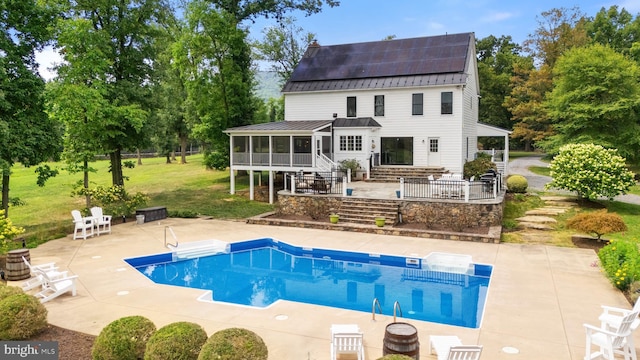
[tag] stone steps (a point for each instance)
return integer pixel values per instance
(541, 218)
(365, 211)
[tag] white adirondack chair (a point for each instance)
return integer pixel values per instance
(102, 222)
(52, 288)
(611, 341)
(346, 340)
(83, 225)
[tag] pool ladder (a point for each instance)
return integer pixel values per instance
(376, 305)
(173, 235)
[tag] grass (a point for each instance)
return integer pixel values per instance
(182, 188)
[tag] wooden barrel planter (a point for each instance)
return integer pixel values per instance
(16, 268)
(401, 338)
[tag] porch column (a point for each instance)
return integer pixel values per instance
(505, 156)
(271, 187)
(232, 181)
(251, 174)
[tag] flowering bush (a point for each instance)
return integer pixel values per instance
(591, 171)
(114, 199)
(7, 231)
(621, 262)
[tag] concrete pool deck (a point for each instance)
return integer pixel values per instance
(538, 298)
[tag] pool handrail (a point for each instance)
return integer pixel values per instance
(172, 234)
(396, 305)
(373, 308)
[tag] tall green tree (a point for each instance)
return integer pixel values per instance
(596, 99)
(496, 59)
(216, 61)
(283, 46)
(618, 29)
(27, 135)
(122, 35)
(242, 10)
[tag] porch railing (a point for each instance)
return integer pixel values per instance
(463, 190)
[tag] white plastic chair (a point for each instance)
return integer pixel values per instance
(465, 352)
(49, 268)
(611, 342)
(52, 288)
(440, 345)
(611, 317)
(84, 225)
(102, 222)
(346, 339)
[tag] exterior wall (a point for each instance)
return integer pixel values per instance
(470, 109)
(397, 120)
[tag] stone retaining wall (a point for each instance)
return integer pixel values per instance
(449, 214)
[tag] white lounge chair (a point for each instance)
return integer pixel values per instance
(440, 345)
(36, 280)
(346, 341)
(465, 352)
(101, 221)
(82, 224)
(52, 288)
(609, 343)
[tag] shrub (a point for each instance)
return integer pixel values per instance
(598, 222)
(6, 291)
(478, 167)
(22, 317)
(177, 341)
(234, 344)
(517, 184)
(620, 260)
(7, 232)
(591, 171)
(352, 164)
(114, 200)
(395, 357)
(125, 338)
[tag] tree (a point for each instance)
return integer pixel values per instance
(496, 59)
(598, 223)
(591, 171)
(283, 46)
(215, 59)
(27, 135)
(596, 99)
(242, 10)
(617, 29)
(122, 35)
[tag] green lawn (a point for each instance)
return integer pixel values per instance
(189, 188)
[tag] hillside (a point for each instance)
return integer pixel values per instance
(268, 85)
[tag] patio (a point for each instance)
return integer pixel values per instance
(539, 296)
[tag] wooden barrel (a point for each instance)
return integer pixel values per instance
(16, 268)
(401, 338)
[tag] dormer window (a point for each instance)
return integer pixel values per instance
(351, 106)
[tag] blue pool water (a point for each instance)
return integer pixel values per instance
(259, 272)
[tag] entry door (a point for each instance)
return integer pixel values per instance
(433, 153)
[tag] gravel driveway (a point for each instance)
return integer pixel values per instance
(521, 166)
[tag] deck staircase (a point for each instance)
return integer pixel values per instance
(365, 211)
(394, 173)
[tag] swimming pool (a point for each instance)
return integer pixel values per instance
(260, 272)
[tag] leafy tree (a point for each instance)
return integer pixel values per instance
(529, 87)
(283, 46)
(591, 171)
(617, 29)
(242, 10)
(27, 135)
(120, 38)
(596, 98)
(214, 57)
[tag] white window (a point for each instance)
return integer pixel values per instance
(351, 143)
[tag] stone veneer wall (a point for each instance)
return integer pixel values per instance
(453, 215)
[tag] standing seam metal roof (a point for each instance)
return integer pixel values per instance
(434, 60)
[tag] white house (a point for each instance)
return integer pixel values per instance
(407, 102)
